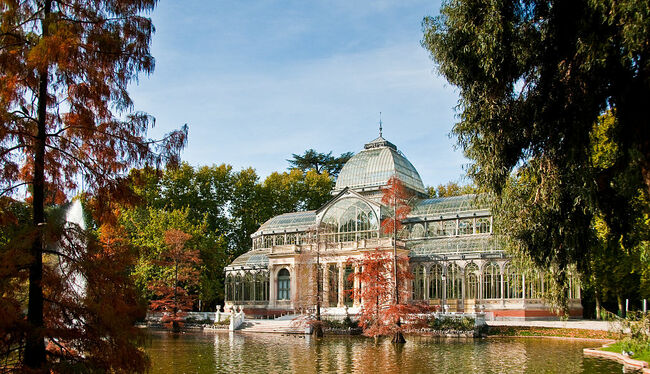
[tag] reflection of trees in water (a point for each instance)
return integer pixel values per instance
(211, 352)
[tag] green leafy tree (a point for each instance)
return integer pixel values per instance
(320, 162)
(450, 189)
(534, 77)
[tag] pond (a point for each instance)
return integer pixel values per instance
(217, 352)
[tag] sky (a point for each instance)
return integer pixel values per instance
(257, 81)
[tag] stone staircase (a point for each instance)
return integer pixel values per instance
(275, 326)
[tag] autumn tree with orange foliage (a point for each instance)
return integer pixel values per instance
(397, 198)
(172, 296)
(379, 313)
(66, 116)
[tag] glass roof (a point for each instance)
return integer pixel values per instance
(295, 221)
(374, 165)
(463, 245)
(256, 258)
(450, 205)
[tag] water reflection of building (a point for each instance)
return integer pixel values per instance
(454, 257)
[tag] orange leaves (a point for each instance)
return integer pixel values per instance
(396, 197)
(379, 314)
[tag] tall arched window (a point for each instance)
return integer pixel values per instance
(238, 288)
(417, 231)
(454, 282)
(512, 282)
(471, 281)
(491, 281)
(435, 281)
(418, 282)
(483, 226)
(284, 284)
(534, 285)
(248, 286)
(465, 227)
(262, 286)
(229, 288)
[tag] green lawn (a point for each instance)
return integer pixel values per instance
(640, 352)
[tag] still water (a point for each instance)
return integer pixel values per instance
(221, 352)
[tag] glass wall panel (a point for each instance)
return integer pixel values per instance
(349, 219)
(348, 280)
(533, 285)
(417, 231)
(491, 281)
(454, 282)
(448, 228)
(418, 282)
(466, 227)
(435, 281)
(483, 226)
(471, 281)
(512, 282)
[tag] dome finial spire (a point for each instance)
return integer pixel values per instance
(380, 123)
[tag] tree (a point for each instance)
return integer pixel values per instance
(534, 77)
(172, 295)
(320, 162)
(397, 198)
(450, 189)
(65, 114)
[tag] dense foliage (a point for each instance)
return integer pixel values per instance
(320, 162)
(66, 117)
(554, 116)
(450, 189)
(219, 208)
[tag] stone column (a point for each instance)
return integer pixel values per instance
(325, 280)
(341, 301)
(355, 285)
(273, 287)
(425, 280)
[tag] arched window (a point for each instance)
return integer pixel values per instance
(512, 282)
(491, 281)
(483, 226)
(284, 284)
(534, 284)
(348, 285)
(471, 281)
(248, 286)
(238, 288)
(418, 282)
(574, 287)
(417, 231)
(349, 219)
(229, 288)
(454, 282)
(435, 282)
(465, 227)
(433, 229)
(448, 228)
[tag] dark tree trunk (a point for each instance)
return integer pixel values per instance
(35, 342)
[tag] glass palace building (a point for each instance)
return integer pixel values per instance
(456, 260)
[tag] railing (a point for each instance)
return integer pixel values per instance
(236, 318)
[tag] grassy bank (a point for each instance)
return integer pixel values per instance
(639, 352)
(551, 332)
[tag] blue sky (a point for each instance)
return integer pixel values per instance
(259, 80)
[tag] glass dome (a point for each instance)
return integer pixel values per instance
(375, 165)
